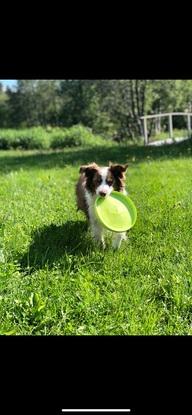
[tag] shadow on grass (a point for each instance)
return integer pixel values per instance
(51, 243)
(48, 160)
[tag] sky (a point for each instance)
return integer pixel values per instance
(8, 82)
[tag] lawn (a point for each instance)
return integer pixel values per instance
(182, 133)
(54, 281)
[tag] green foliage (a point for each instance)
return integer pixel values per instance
(4, 108)
(111, 108)
(30, 138)
(73, 137)
(45, 138)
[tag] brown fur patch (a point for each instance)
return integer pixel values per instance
(88, 169)
(80, 195)
(87, 180)
(92, 176)
(118, 173)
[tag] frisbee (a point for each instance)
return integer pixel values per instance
(116, 212)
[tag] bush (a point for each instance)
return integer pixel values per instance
(27, 139)
(75, 136)
(46, 138)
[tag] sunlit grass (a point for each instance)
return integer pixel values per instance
(53, 280)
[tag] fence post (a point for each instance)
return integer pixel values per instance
(189, 125)
(145, 131)
(170, 126)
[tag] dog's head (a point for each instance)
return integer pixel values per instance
(103, 180)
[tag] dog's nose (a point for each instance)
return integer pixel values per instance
(103, 194)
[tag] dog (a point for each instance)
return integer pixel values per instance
(93, 181)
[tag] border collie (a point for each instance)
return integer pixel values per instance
(93, 181)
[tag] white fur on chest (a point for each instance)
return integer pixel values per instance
(90, 199)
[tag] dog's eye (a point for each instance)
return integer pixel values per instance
(109, 182)
(99, 180)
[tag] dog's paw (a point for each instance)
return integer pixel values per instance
(100, 243)
(116, 243)
(103, 246)
(116, 246)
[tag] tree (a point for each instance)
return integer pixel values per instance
(36, 102)
(109, 107)
(4, 108)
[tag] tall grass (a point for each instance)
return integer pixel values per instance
(48, 138)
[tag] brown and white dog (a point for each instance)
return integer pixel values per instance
(94, 181)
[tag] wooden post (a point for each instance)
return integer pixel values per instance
(157, 125)
(145, 131)
(170, 126)
(189, 125)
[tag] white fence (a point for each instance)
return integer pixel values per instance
(170, 116)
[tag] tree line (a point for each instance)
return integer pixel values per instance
(111, 108)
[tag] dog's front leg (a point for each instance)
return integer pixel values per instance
(117, 239)
(97, 232)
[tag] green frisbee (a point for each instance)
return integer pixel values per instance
(116, 212)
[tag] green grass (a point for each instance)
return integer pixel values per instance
(54, 281)
(165, 135)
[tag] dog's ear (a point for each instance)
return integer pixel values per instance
(89, 169)
(118, 169)
(82, 169)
